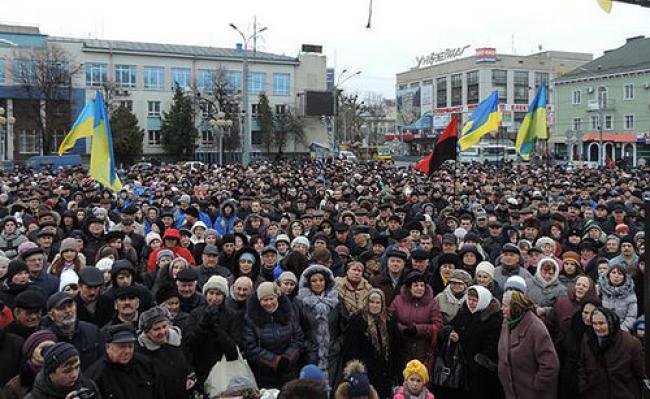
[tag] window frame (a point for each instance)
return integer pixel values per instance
(147, 75)
(126, 70)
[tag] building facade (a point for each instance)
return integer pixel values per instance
(427, 96)
(142, 77)
(608, 96)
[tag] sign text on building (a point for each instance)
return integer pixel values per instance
(486, 54)
(433, 58)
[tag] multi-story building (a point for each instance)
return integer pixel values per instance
(428, 95)
(142, 77)
(608, 98)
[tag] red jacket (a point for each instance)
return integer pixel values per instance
(178, 251)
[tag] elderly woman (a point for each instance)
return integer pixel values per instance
(485, 277)
(418, 320)
(353, 288)
(451, 299)
(611, 361)
(545, 288)
(549, 247)
(617, 294)
(272, 336)
(322, 321)
(528, 363)
(371, 337)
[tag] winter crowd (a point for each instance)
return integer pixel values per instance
(323, 279)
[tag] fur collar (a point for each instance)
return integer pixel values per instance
(282, 315)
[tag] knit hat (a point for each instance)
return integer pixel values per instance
(164, 252)
(311, 372)
(104, 264)
(58, 354)
(485, 267)
(572, 256)
(545, 240)
(35, 340)
(460, 276)
(68, 277)
(300, 240)
(26, 246)
(15, 266)
(288, 276)
(152, 236)
(209, 233)
(247, 256)
(416, 367)
(267, 289)
(152, 316)
(282, 237)
(68, 244)
(358, 385)
(216, 283)
(516, 283)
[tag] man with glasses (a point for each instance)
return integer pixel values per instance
(34, 257)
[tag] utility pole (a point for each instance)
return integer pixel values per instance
(601, 121)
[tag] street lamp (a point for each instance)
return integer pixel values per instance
(5, 122)
(246, 136)
(335, 99)
(219, 123)
(601, 118)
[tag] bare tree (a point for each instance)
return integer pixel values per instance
(287, 125)
(374, 113)
(350, 117)
(45, 75)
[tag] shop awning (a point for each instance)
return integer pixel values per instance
(610, 136)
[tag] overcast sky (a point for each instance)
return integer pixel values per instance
(401, 29)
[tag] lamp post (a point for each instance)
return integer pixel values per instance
(335, 98)
(601, 119)
(246, 136)
(5, 122)
(219, 123)
(569, 144)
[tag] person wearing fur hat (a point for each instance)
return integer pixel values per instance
(509, 264)
(416, 378)
(545, 288)
(353, 288)
(451, 299)
(16, 281)
(477, 327)
(617, 294)
(549, 248)
(272, 337)
(169, 298)
(418, 320)
(356, 384)
(372, 338)
(321, 318)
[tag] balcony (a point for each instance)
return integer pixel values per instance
(595, 105)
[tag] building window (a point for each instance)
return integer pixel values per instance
(500, 83)
(153, 138)
(521, 87)
(125, 75)
(154, 77)
(256, 83)
(28, 142)
(428, 82)
(96, 74)
(255, 110)
(281, 109)
(577, 124)
(541, 78)
(602, 97)
(206, 79)
(281, 84)
(414, 85)
(594, 122)
(628, 122)
(153, 109)
(233, 81)
(577, 97)
(628, 92)
(24, 72)
(207, 138)
(2, 70)
(472, 87)
(456, 90)
(128, 104)
(608, 122)
(182, 77)
(441, 92)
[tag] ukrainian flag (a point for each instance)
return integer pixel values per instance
(534, 125)
(93, 122)
(486, 118)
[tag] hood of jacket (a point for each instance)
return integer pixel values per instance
(229, 202)
(257, 265)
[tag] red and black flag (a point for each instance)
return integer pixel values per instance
(445, 149)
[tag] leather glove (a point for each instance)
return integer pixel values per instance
(283, 365)
(410, 331)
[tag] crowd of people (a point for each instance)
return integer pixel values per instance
(323, 279)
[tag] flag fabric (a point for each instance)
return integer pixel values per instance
(93, 122)
(534, 125)
(606, 5)
(445, 149)
(485, 118)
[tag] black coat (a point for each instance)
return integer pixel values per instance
(567, 345)
(173, 368)
(10, 355)
(20, 330)
(479, 335)
(88, 340)
(358, 345)
(136, 380)
(43, 388)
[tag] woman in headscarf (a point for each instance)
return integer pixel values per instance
(572, 269)
(372, 338)
(566, 306)
(469, 258)
(611, 363)
(248, 264)
(353, 288)
(545, 288)
(477, 327)
(617, 294)
(528, 363)
(451, 299)
(322, 321)
(568, 340)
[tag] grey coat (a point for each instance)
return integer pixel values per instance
(501, 274)
(621, 299)
(545, 294)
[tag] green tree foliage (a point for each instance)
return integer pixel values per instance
(127, 135)
(178, 132)
(265, 122)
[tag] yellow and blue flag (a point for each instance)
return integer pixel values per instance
(534, 125)
(93, 122)
(485, 118)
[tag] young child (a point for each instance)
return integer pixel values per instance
(416, 378)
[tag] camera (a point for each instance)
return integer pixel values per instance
(85, 393)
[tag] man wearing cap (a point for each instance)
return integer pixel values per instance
(62, 320)
(187, 284)
(10, 238)
(126, 302)
(509, 265)
(60, 375)
(94, 232)
(28, 310)
(34, 257)
(210, 265)
(124, 373)
(269, 258)
(91, 280)
(342, 233)
(390, 280)
(628, 256)
(122, 275)
(161, 342)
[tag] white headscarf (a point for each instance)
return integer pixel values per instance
(484, 298)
